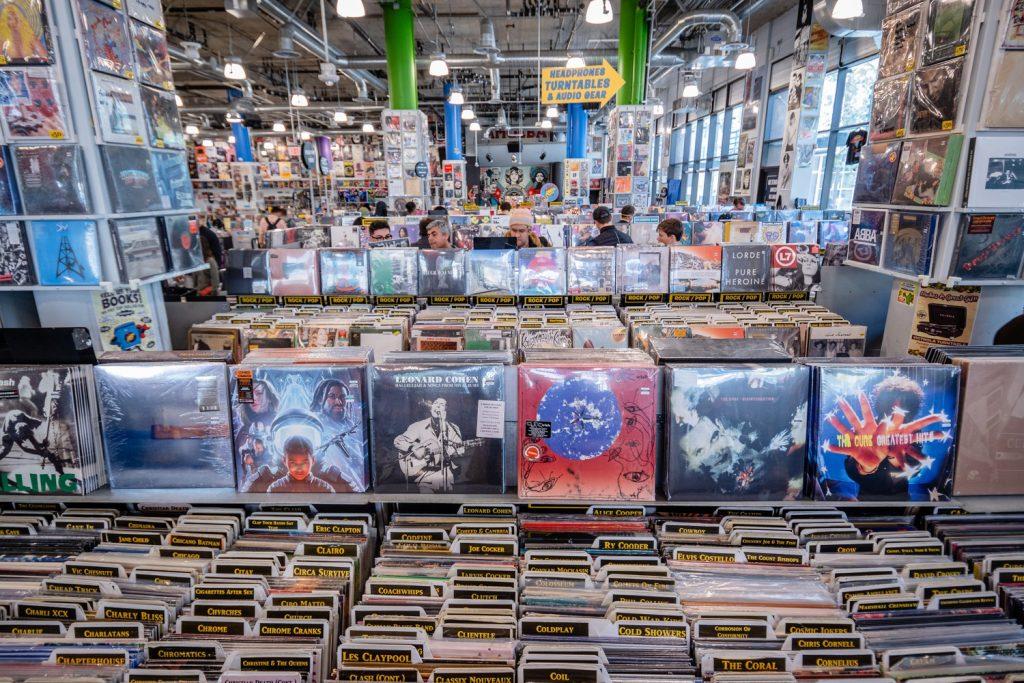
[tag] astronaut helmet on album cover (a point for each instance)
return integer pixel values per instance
(299, 430)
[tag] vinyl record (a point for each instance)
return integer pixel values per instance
(989, 247)
(173, 181)
(118, 110)
(927, 170)
(867, 231)
(24, 33)
(162, 119)
(181, 241)
(909, 241)
(695, 269)
(901, 35)
(889, 108)
(876, 173)
(148, 11)
(151, 56)
(131, 181)
(32, 105)
(105, 35)
(66, 252)
(1005, 105)
(51, 180)
(936, 97)
(137, 246)
(15, 258)
(948, 30)
(746, 267)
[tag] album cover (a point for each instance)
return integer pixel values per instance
(344, 271)
(599, 336)
(736, 432)
(695, 269)
(989, 246)
(151, 56)
(293, 272)
(1004, 107)
(299, 429)
(868, 229)
(166, 425)
(162, 119)
(901, 34)
(936, 97)
(559, 337)
(948, 30)
(180, 237)
(884, 433)
(393, 271)
(804, 231)
(708, 232)
(66, 252)
(889, 108)
(771, 232)
(47, 445)
(837, 341)
(442, 272)
(927, 171)
(795, 267)
(876, 173)
(541, 271)
(443, 431)
(832, 231)
(148, 11)
(247, 272)
(587, 433)
(591, 270)
(105, 38)
(131, 181)
(24, 33)
(746, 267)
(15, 259)
(492, 270)
(641, 269)
(908, 242)
(9, 200)
(51, 180)
(137, 248)
(118, 110)
(32, 105)
(173, 181)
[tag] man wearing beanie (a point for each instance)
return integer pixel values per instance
(520, 227)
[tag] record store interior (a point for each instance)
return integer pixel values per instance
(512, 341)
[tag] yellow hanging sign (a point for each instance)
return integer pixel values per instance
(559, 85)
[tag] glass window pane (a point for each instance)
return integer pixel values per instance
(828, 101)
(844, 176)
(860, 80)
(734, 131)
(689, 142)
(776, 116)
(699, 190)
(713, 188)
(771, 154)
(705, 131)
(715, 144)
(818, 170)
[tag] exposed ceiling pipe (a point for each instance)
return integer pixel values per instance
(513, 58)
(495, 77)
(308, 39)
(728, 20)
(283, 108)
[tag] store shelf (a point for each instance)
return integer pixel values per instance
(52, 288)
(925, 279)
(171, 275)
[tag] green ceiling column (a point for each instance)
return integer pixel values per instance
(401, 53)
(627, 50)
(639, 75)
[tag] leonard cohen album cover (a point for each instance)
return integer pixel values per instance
(299, 429)
(587, 432)
(737, 431)
(440, 428)
(46, 429)
(884, 433)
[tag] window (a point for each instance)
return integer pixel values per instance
(712, 139)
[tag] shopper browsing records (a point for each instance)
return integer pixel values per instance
(520, 227)
(609, 235)
(670, 232)
(738, 206)
(379, 231)
(278, 218)
(626, 215)
(439, 235)
(410, 208)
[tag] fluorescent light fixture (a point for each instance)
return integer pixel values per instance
(178, 101)
(546, 124)
(659, 108)
(455, 97)
(231, 139)
(278, 127)
(304, 135)
(474, 126)
(207, 142)
(299, 98)
(848, 9)
(438, 67)
(269, 145)
(367, 127)
(340, 117)
(191, 129)
(351, 9)
(691, 90)
(746, 60)
(468, 114)
(575, 62)
(599, 12)
(552, 112)
(233, 69)
(233, 117)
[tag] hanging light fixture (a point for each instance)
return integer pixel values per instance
(351, 9)
(468, 114)
(207, 142)
(657, 108)
(233, 69)
(552, 112)
(848, 9)
(178, 101)
(367, 127)
(191, 129)
(233, 117)
(340, 117)
(269, 145)
(575, 62)
(299, 98)
(599, 12)
(278, 127)
(691, 89)
(746, 60)
(455, 97)
(474, 126)
(546, 124)
(231, 139)
(438, 67)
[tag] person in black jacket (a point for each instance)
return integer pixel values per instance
(609, 235)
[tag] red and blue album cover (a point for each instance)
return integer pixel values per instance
(884, 432)
(587, 432)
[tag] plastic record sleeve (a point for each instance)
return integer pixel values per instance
(900, 37)
(936, 95)
(889, 112)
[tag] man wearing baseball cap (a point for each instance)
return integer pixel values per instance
(609, 235)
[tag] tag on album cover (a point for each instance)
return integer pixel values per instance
(536, 429)
(490, 419)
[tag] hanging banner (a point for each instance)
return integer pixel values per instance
(559, 85)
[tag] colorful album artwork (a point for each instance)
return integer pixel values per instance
(162, 119)
(105, 34)
(32, 106)
(151, 55)
(118, 110)
(24, 33)
(66, 252)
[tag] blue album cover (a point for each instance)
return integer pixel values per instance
(344, 271)
(736, 431)
(166, 425)
(866, 239)
(541, 271)
(173, 181)
(833, 231)
(66, 252)
(9, 204)
(876, 173)
(131, 181)
(300, 429)
(884, 432)
(180, 237)
(491, 270)
(909, 240)
(990, 246)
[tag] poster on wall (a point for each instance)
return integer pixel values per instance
(943, 316)
(515, 182)
(125, 320)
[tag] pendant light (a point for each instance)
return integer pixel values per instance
(474, 126)
(599, 12)
(299, 98)
(278, 127)
(438, 67)
(552, 112)
(468, 114)
(746, 60)
(367, 127)
(575, 62)
(848, 9)
(455, 96)
(340, 117)
(233, 69)
(351, 9)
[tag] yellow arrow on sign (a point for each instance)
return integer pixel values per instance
(559, 85)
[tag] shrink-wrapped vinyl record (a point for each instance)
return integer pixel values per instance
(695, 269)
(344, 271)
(989, 246)
(936, 97)
(876, 173)
(908, 242)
